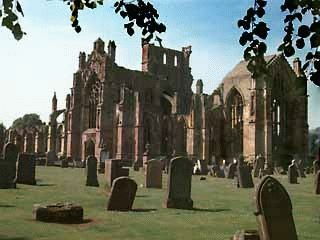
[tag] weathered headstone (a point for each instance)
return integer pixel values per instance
(244, 176)
(317, 183)
(123, 193)
(246, 235)
(232, 168)
(6, 180)
(91, 171)
(146, 155)
(60, 213)
(224, 168)
(279, 170)
(274, 211)
(104, 156)
(51, 158)
(196, 169)
(10, 154)
(316, 166)
(179, 184)
(154, 174)
(258, 165)
(265, 170)
(26, 169)
(293, 173)
(300, 169)
(64, 163)
(203, 167)
(113, 170)
(216, 171)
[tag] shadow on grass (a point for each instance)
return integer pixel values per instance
(45, 185)
(6, 206)
(84, 221)
(144, 210)
(13, 238)
(211, 210)
(142, 196)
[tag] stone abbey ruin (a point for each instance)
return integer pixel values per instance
(117, 113)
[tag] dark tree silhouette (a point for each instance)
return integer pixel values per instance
(31, 120)
(138, 13)
(142, 14)
(296, 35)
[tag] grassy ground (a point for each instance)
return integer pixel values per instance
(221, 210)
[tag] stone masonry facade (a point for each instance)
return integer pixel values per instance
(154, 111)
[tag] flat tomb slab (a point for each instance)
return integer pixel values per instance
(59, 213)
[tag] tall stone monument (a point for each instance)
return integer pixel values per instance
(26, 169)
(293, 173)
(179, 184)
(91, 171)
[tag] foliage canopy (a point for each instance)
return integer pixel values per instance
(31, 120)
(142, 14)
(297, 35)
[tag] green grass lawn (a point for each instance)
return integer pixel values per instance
(221, 210)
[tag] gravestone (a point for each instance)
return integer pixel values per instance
(244, 177)
(26, 169)
(265, 170)
(51, 158)
(293, 173)
(203, 167)
(123, 193)
(216, 171)
(232, 168)
(300, 169)
(317, 183)
(179, 184)
(196, 169)
(64, 163)
(246, 235)
(10, 154)
(113, 170)
(6, 180)
(274, 211)
(154, 174)
(280, 171)
(316, 166)
(258, 165)
(91, 171)
(224, 168)
(104, 156)
(146, 155)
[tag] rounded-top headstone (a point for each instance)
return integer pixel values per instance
(10, 153)
(123, 193)
(274, 211)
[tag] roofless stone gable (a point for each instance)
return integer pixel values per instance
(267, 115)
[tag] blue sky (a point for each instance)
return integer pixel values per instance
(45, 59)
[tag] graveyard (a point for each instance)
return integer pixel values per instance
(219, 209)
(186, 136)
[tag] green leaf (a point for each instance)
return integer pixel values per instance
(7, 22)
(19, 9)
(315, 40)
(17, 32)
(281, 47)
